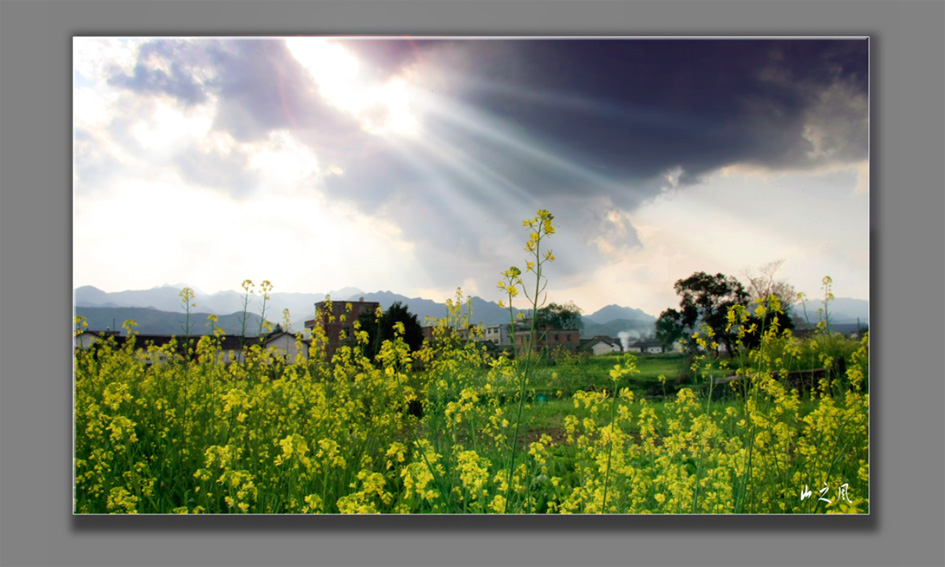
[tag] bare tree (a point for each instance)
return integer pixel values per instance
(762, 283)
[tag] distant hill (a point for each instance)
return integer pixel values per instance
(483, 312)
(301, 306)
(613, 328)
(609, 321)
(422, 308)
(612, 320)
(157, 322)
(841, 310)
(616, 312)
(160, 309)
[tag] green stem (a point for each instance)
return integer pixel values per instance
(610, 449)
(708, 413)
(439, 485)
(528, 358)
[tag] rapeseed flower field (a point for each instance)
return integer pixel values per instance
(451, 429)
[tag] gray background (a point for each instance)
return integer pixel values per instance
(908, 298)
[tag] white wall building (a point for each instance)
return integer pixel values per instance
(284, 345)
(649, 346)
(603, 345)
(497, 334)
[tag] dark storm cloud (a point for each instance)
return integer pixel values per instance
(633, 109)
(585, 127)
(530, 119)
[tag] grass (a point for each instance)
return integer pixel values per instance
(565, 375)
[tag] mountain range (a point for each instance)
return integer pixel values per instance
(160, 310)
(843, 310)
(156, 322)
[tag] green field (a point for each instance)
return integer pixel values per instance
(565, 375)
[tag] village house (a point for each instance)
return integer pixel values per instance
(463, 334)
(498, 335)
(548, 338)
(285, 345)
(231, 348)
(338, 320)
(651, 346)
(143, 343)
(86, 339)
(279, 343)
(601, 345)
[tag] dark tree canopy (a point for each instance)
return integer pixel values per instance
(669, 328)
(560, 316)
(382, 329)
(706, 299)
(761, 324)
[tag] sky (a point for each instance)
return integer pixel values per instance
(409, 163)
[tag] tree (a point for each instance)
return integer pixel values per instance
(762, 285)
(706, 299)
(382, 329)
(669, 328)
(560, 316)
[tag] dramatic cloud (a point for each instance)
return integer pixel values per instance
(449, 143)
(636, 109)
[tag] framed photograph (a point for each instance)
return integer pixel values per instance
(471, 275)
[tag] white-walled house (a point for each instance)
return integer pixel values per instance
(650, 346)
(497, 334)
(85, 339)
(285, 345)
(602, 345)
(279, 344)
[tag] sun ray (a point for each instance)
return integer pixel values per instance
(480, 124)
(383, 109)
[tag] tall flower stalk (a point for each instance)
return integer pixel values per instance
(541, 228)
(265, 287)
(186, 295)
(616, 373)
(248, 288)
(510, 285)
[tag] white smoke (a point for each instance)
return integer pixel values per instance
(625, 338)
